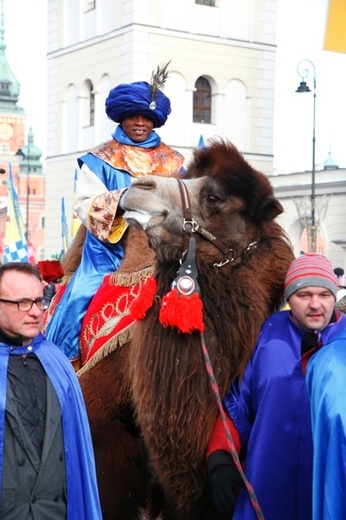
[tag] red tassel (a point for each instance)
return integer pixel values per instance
(183, 312)
(144, 300)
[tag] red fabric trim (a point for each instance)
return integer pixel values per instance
(218, 439)
(306, 357)
(60, 289)
(108, 314)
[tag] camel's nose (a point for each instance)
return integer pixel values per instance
(145, 183)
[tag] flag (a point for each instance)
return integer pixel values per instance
(335, 35)
(15, 244)
(75, 220)
(201, 143)
(64, 229)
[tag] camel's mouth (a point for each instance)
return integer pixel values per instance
(137, 219)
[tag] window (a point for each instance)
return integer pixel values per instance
(88, 97)
(4, 87)
(202, 101)
(205, 2)
(92, 109)
(90, 5)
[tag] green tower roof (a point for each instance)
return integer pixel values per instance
(9, 85)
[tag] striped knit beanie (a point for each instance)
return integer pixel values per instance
(310, 270)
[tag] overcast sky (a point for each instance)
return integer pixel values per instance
(25, 37)
(300, 33)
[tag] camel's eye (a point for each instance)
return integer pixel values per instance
(212, 199)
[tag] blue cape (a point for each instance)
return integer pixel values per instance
(270, 408)
(326, 381)
(82, 492)
(65, 324)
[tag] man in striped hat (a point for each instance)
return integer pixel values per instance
(268, 406)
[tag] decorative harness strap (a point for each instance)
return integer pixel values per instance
(190, 226)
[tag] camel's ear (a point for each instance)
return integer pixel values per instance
(268, 209)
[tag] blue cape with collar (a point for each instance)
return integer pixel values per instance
(82, 492)
(270, 408)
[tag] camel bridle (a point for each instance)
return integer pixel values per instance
(190, 226)
(186, 283)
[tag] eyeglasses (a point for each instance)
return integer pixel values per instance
(26, 305)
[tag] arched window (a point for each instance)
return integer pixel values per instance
(202, 101)
(88, 106)
(92, 108)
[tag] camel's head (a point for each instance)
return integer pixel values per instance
(228, 198)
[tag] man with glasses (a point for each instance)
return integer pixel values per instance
(47, 467)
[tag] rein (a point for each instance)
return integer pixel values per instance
(187, 282)
(190, 226)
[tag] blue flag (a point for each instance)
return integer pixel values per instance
(15, 245)
(201, 143)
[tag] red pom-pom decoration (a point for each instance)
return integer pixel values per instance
(183, 312)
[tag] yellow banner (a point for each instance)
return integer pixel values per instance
(335, 36)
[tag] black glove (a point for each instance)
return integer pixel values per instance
(49, 291)
(225, 481)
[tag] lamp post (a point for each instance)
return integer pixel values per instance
(24, 152)
(27, 200)
(303, 69)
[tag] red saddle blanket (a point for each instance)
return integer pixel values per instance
(108, 321)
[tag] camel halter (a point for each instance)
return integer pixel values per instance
(190, 226)
(182, 308)
(186, 282)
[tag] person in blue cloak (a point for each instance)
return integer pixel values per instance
(105, 172)
(47, 467)
(268, 406)
(326, 380)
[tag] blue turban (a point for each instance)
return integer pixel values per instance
(126, 100)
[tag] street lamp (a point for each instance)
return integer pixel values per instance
(24, 152)
(303, 71)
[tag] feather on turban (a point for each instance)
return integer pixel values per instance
(126, 100)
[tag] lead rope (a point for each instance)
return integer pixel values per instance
(228, 434)
(189, 227)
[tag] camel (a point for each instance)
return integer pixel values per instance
(150, 402)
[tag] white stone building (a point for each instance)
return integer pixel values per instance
(223, 48)
(330, 203)
(93, 45)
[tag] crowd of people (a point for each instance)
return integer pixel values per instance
(286, 412)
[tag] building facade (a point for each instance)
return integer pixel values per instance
(19, 152)
(221, 78)
(221, 84)
(294, 192)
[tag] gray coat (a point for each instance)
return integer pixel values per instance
(33, 489)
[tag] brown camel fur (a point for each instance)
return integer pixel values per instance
(174, 403)
(156, 388)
